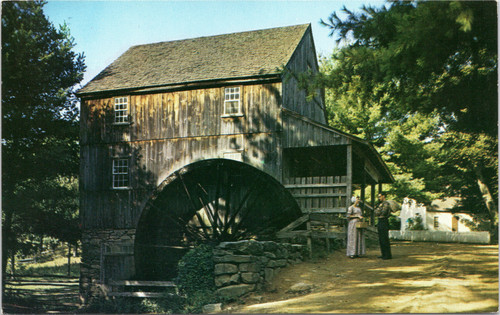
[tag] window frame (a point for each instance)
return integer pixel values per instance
(121, 115)
(239, 100)
(436, 222)
(120, 179)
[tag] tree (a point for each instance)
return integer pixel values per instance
(472, 161)
(419, 79)
(427, 56)
(39, 114)
(399, 138)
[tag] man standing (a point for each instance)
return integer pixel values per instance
(382, 212)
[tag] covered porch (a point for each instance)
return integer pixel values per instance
(322, 174)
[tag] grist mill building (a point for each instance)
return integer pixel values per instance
(208, 139)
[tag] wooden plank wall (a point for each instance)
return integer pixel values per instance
(294, 98)
(152, 162)
(323, 194)
(319, 194)
(298, 133)
(181, 114)
(169, 131)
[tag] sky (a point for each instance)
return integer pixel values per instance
(103, 30)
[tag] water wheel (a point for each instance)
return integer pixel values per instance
(208, 202)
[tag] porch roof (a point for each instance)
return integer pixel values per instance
(361, 147)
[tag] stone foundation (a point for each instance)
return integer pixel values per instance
(102, 252)
(240, 267)
(245, 266)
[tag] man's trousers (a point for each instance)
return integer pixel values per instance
(383, 238)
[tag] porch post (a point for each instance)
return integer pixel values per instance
(372, 215)
(349, 176)
(363, 186)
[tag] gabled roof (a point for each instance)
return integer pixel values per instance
(231, 56)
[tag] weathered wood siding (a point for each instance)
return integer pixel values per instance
(294, 98)
(316, 194)
(182, 114)
(298, 133)
(167, 132)
(319, 194)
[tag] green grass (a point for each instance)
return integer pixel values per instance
(57, 266)
(29, 293)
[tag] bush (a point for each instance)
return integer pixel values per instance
(109, 306)
(394, 223)
(167, 305)
(196, 301)
(196, 270)
(196, 278)
(123, 305)
(415, 223)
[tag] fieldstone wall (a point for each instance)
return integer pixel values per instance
(101, 248)
(245, 266)
(240, 267)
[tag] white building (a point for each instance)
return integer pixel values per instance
(439, 216)
(441, 223)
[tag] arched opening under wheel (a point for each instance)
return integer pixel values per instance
(208, 201)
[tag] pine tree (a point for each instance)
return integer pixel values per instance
(39, 115)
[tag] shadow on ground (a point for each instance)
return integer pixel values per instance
(422, 278)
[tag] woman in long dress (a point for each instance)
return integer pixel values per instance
(355, 237)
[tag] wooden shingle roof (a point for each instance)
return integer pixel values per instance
(231, 56)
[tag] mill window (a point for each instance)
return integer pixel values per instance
(121, 110)
(232, 101)
(120, 173)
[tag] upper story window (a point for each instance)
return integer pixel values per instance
(436, 222)
(120, 173)
(232, 101)
(121, 110)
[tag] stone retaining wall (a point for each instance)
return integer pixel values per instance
(240, 267)
(245, 266)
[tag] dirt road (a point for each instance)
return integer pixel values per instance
(421, 278)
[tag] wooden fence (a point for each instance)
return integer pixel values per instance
(40, 293)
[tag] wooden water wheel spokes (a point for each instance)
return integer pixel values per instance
(219, 213)
(210, 201)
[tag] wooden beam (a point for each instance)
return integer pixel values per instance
(293, 234)
(141, 294)
(295, 224)
(143, 283)
(349, 175)
(327, 210)
(319, 218)
(206, 84)
(309, 239)
(40, 283)
(330, 235)
(372, 171)
(327, 237)
(333, 185)
(372, 215)
(363, 186)
(318, 195)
